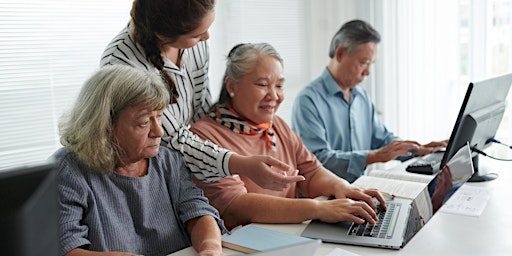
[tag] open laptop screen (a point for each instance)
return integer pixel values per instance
(451, 177)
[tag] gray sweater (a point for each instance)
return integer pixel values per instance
(141, 215)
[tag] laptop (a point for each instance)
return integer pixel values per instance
(403, 217)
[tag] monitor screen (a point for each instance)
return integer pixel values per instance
(29, 211)
(479, 118)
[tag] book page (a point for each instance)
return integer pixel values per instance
(398, 188)
(395, 175)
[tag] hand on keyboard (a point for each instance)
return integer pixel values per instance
(345, 209)
(394, 149)
(431, 147)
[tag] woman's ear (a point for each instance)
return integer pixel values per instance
(230, 86)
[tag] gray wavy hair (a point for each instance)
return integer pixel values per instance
(87, 129)
(241, 60)
(352, 34)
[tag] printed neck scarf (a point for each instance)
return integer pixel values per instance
(226, 116)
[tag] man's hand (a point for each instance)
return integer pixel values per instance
(431, 147)
(391, 151)
(265, 171)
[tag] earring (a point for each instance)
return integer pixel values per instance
(232, 94)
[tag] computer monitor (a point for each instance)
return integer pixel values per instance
(29, 211)
(478, 120)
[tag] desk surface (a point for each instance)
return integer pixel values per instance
(444, 234)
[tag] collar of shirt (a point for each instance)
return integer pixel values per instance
(332, 87)
(171, 67)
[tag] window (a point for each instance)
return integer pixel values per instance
(499, 60)
(47, 50)
(430, 52)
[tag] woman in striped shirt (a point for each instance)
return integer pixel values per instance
(169, 37)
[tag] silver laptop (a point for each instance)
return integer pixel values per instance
(403, 217)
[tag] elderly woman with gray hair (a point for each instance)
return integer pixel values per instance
(244, 121)
(120, 192)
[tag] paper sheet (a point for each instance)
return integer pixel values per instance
(468, 200)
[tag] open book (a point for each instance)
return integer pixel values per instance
(416, 186)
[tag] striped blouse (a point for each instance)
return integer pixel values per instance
(207, 161)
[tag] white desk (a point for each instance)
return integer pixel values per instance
(444, 234)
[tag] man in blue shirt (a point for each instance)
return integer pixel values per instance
(337, 120)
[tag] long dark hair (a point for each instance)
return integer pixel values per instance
(169, 18)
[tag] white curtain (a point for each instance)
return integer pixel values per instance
(418, 86)
(430, 52)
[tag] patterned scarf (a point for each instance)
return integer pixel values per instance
(226, 116)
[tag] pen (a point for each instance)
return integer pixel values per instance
(392, 196)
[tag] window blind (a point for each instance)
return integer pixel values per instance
(47, 50)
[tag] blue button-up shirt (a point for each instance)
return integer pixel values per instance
(339, 133)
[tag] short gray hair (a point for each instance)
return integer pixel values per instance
(353, 34)
(87, 129)
(241, 60)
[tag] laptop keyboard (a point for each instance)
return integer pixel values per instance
(382, 228)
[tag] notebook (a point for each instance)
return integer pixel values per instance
(254, 239)
(404, 217)
(307, 248)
